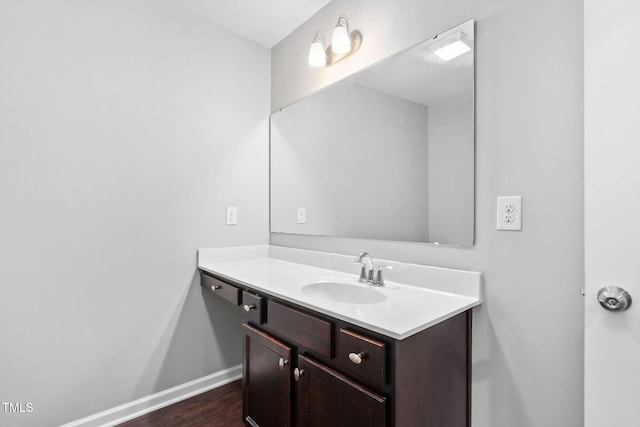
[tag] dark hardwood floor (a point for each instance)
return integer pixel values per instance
(220, 407)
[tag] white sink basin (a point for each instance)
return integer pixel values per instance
(346, 292)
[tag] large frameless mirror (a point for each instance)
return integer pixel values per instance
(386, 154)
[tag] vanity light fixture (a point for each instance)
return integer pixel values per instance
(341, 41)
(451, 47)
(317, 54)
(343, 45)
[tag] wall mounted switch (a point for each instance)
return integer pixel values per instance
(509, 213)
(232, 215)
(302, 216)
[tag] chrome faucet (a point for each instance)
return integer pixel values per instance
(366, 273)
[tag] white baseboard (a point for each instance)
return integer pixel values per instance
(144, 405)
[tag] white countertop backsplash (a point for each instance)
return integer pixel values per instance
(417, 296)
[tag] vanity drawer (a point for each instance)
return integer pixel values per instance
(362, 356)
(253, 306)
(220, 288)
(302, 328)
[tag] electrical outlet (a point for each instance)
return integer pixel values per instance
(509, 215)
(302, 216)
(232, 215)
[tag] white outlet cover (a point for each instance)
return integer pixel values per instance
(509, 213)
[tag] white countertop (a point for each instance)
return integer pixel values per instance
(400, 311)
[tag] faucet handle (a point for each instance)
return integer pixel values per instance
(379, 281)
(363, 272)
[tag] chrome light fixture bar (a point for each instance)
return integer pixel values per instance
(343, 44)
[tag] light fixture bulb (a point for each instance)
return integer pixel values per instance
(341, 41)
(452, 47)
(317, 54)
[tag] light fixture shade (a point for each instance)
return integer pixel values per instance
(317, 54)
(451, 47)
(341, 41)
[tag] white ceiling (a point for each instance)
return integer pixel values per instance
(264, 22)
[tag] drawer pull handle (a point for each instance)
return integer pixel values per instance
(215, 287)
(248, 307)
(357, 358)
(297, 373)
(282, 363)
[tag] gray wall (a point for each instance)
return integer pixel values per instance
(126, 127)
(319, 144)
(528, 334)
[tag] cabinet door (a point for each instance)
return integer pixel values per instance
(326, 398)
(266, 381)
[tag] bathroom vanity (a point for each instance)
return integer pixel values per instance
(321, 349)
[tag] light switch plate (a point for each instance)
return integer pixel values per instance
(232, 215)
(302, 216)
(509, 215)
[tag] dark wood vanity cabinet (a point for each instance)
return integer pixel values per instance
(323, 397)
(327, 398)
(220, 288)
(266, 380)
(305, 369)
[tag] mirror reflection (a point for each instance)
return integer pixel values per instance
(385, 154)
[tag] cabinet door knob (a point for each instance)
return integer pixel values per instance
(215, 287)
(248, 307)
(282, 363)
(297, 373)
(357, 358)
